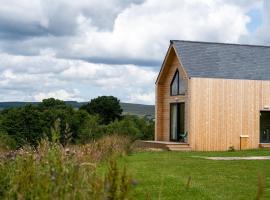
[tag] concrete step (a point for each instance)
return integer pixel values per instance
(179, 147)
(170, 146)
(264, 145)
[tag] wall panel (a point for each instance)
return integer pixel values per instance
(223, 109)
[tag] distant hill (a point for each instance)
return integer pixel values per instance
(128, 108)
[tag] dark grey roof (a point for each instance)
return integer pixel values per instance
(219, 60)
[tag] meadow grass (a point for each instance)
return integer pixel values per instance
(184, 175)
(52, 171)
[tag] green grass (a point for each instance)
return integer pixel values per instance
(164, 175)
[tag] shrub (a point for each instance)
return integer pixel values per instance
(231, 148)
(133, 126)
(89, 130)
(6, 142)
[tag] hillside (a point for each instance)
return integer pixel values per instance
(128, 108)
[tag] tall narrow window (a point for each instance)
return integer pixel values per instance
(177, 84)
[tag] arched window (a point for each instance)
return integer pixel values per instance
(177, 84)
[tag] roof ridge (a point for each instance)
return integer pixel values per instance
(222, 43)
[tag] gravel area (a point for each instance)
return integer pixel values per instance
(239, 158)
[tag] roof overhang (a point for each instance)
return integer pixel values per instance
(171, 52)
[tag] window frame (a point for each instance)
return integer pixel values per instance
(178, 84)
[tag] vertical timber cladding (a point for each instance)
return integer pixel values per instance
(224, 109)
(164, 98)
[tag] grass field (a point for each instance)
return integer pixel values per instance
(165, 175)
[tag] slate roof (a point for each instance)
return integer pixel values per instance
(228, 61)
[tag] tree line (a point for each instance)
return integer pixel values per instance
(54, 119)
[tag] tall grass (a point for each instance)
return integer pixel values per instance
(103, 149)
(53, 172)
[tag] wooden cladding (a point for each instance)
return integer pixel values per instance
(222, 110)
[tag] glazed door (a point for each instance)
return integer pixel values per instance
(177, 121)
(265, 127)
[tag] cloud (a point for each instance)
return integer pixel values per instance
(137, 32)
(141, 32)
(85, 48)
(26, 18)
(59, 94)
(144, 98)
(69, 79)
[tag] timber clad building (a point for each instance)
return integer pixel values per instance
(214, 96)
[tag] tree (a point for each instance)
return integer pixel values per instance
(52, 103)
(106, 107)
(24, 124)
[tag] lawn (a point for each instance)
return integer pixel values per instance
(164, 175)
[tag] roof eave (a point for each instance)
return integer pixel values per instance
(171, 47)
(164, 62)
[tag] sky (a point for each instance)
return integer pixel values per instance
(78, 50)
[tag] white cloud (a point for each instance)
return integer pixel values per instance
(69, 79)
(59, 94)
(144, 98)
(84, 48)
(143, 31)
(136, 32)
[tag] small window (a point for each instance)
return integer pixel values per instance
(177, 85)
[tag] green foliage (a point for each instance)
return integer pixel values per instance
(132, 126)
(52, 103)
(53, 172)
(6, 142)
(29, 124)
(137, 128)
(107, 107)
(23, 124)
(89, 129)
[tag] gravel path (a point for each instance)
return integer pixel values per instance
(239, 158)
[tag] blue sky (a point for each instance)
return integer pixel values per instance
(255, 19)
(77, 50)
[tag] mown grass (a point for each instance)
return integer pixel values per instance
(183, 175)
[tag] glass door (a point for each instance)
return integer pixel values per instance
(177, 121)
(265, 127)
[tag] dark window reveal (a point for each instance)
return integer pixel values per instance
(177, 85)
